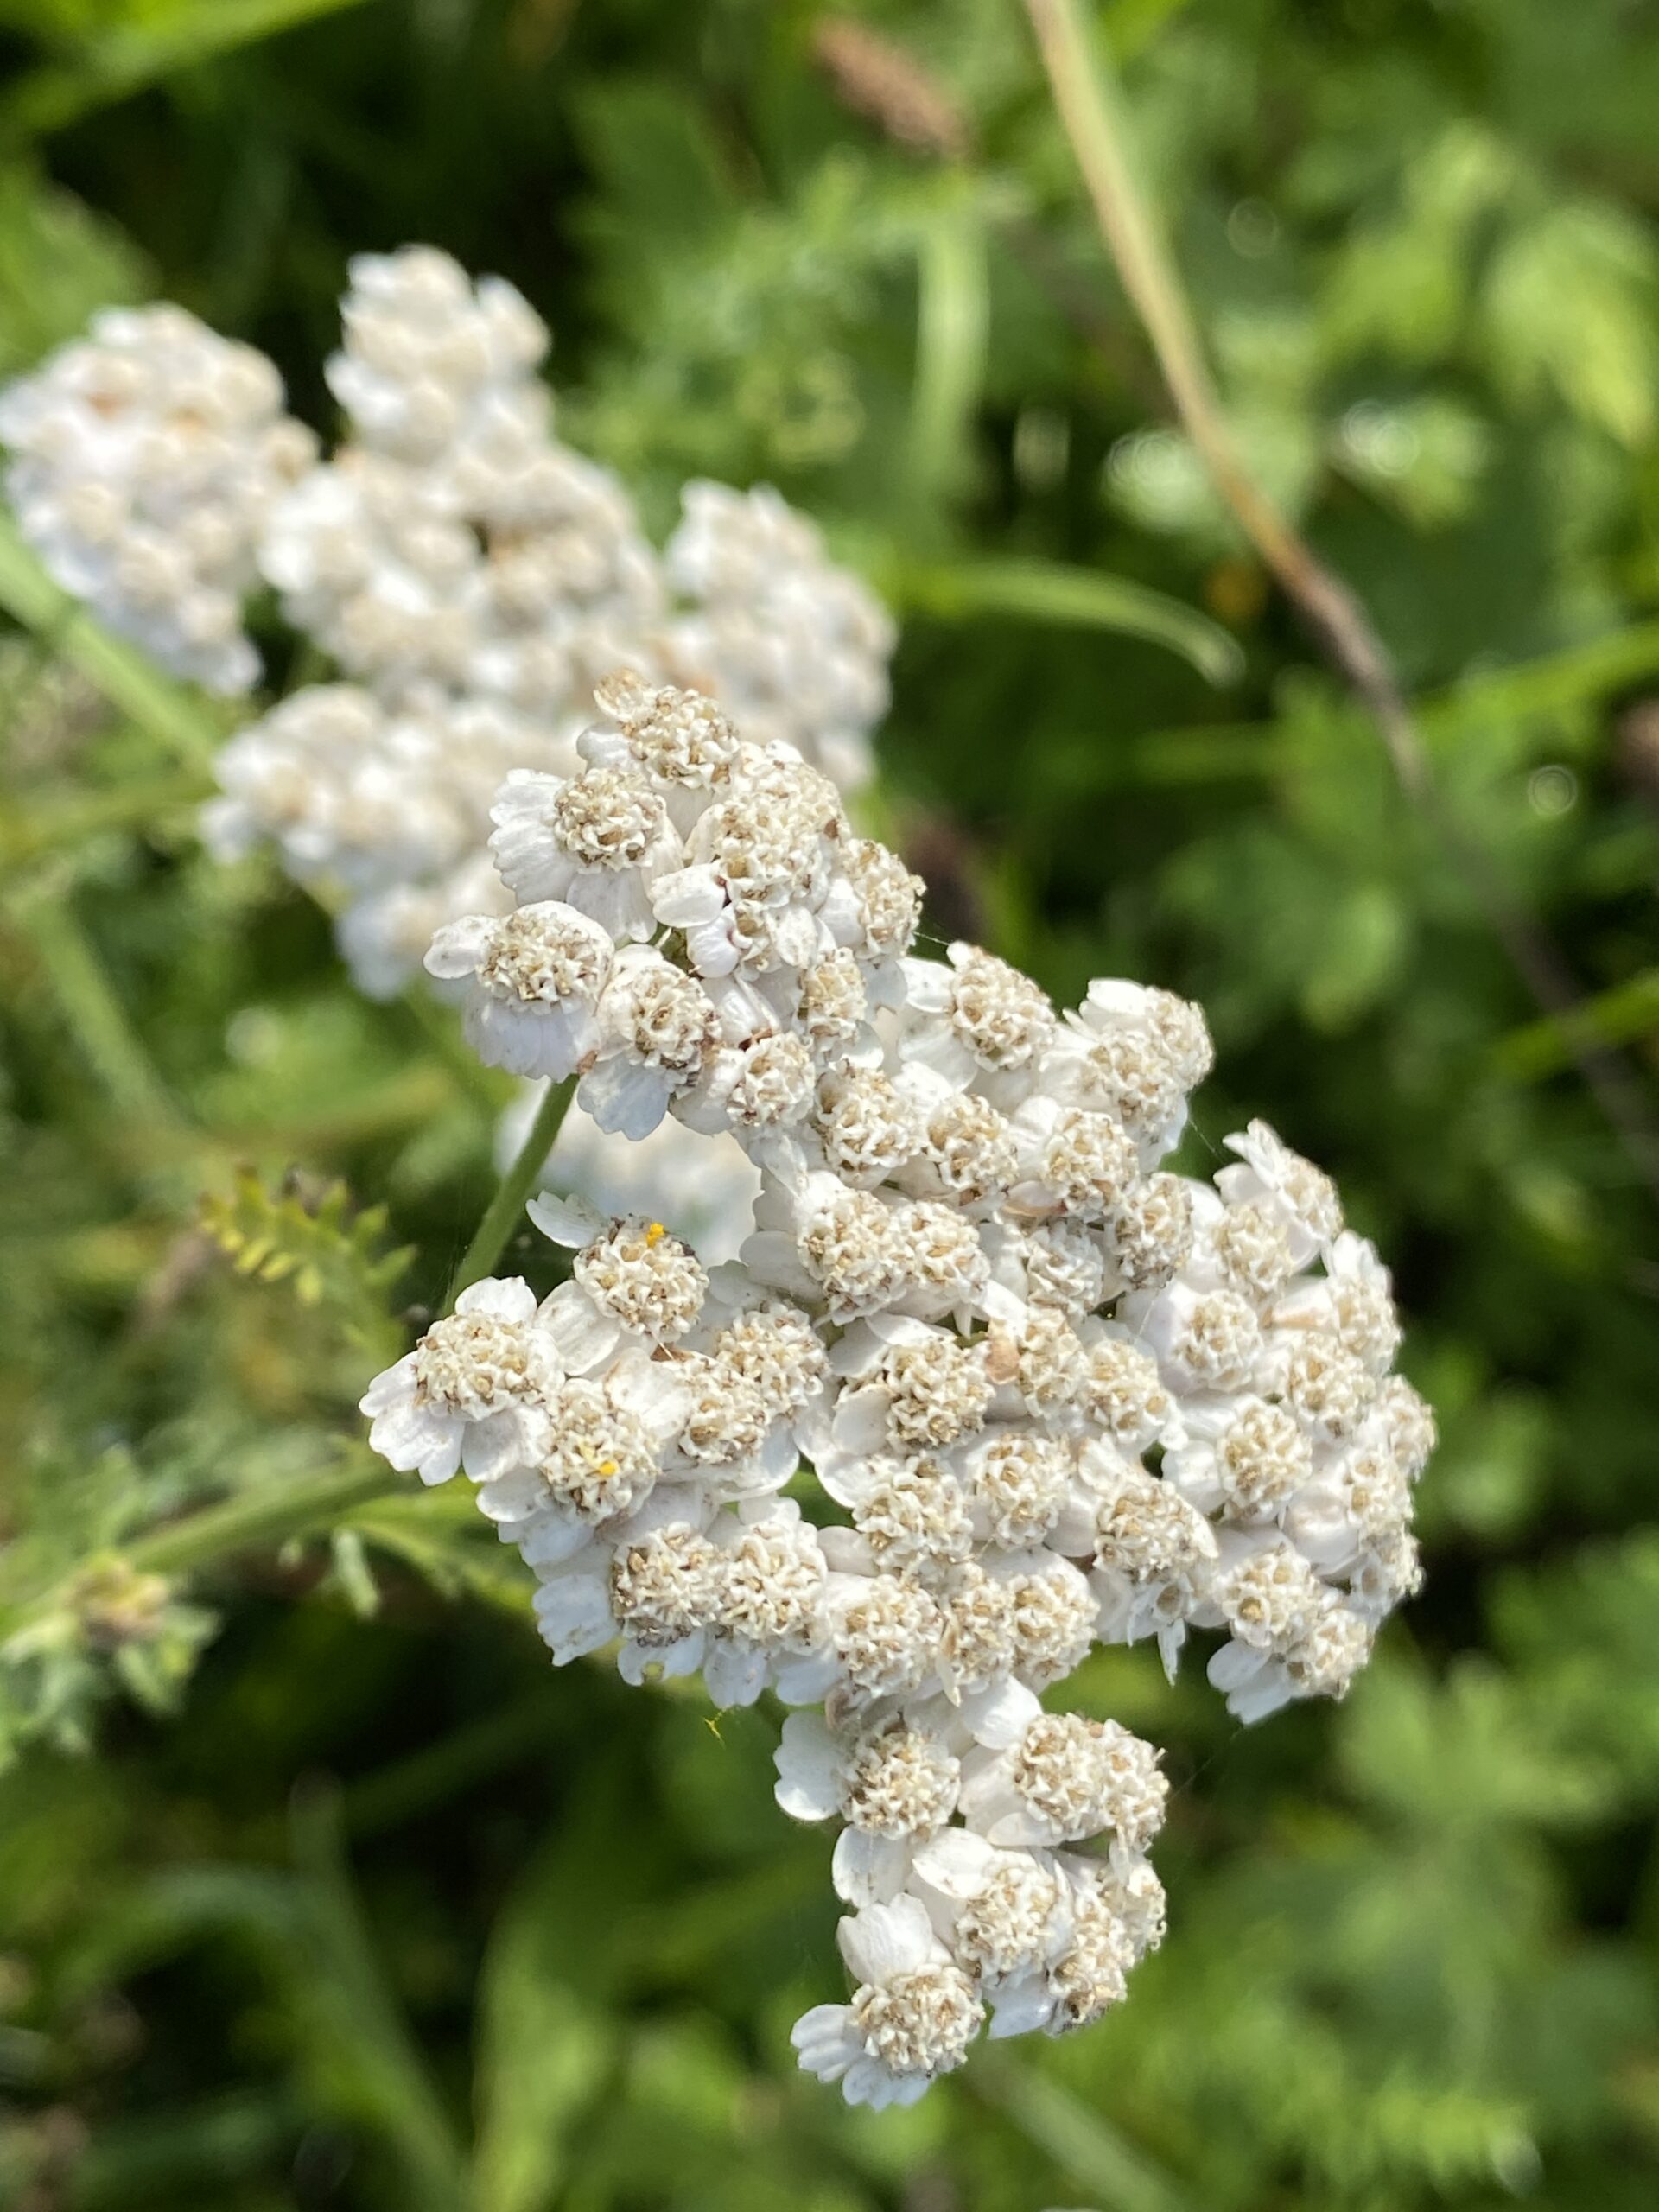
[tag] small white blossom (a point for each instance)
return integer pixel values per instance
(531, 985)
(1062, 1777)
(911, 2019)
(473, 1392)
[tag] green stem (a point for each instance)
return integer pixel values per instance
(253, 1519)
(258, 1518)
(32, 836)
(90, 1007)
(119, 672)
(501, 1216)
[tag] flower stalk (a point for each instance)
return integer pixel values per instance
(502, 1215)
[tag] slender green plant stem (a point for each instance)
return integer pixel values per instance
(35, 836)
(182, 722)
(1090, 109)
(258, 1518)
(252, 1519)
(37, 660)
(91, 1011)
(501, 1216)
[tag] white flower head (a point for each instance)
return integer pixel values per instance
(598, 840)
(601, 1451)
(531, 985)
(474, 1391)
(1061, 1779)
(1303, 1195)
(911, 2019)
(632, 1283)
(653, 1587)
(1154, 1558)
(977, 1023)
(1002, 1915)
(146, 459)
(1052, 1393)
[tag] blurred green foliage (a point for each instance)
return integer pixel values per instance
(372, 1911)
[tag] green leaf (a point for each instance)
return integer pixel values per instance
(116, 61)
(1466, 1757)
(1048, 591)
(1628, 1010)
(1077, 2137)
(548, 2039)
(58, 261)
(1569, 303)
(1424, 457)
(1360, 952)
(310, 1241)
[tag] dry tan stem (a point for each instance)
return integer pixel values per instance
(1090, 112)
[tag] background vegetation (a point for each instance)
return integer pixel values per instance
(317, 1888)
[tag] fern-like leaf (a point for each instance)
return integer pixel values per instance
(306, 1236)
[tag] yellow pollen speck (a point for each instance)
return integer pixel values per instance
(608, 1467)
(655, 1232)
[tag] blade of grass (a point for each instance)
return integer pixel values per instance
(501, 1217)
(357, 2025)
(1089, 107)
(952, 329)
(1050, 591)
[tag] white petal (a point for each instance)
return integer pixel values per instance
(867, 1869)
(806, 1758)
(686, 897)
(570, 1222)
(805, 1681)
(869, 2083)
(955, 1862)
(827, 2041)
(407, 1436)
(1232, 1665)
(574, 1616)
(505, 1298)
(733, 1674)
(928, 985)
(494, 1446)
(635, 1661)
(651, 1390)
(885, 1940)
(860, 1427)
(999, 1716)
(512, 1496)
(625, 1097)
(1021, 2007)
(458, 948)
(554, 1538)
(394, 1384)
(584, 1338)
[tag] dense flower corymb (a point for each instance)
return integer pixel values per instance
(1057, 1393)
(469, 577)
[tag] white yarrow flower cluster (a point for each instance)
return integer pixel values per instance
(147, 459)
(1051, 1393)
(469, 574)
